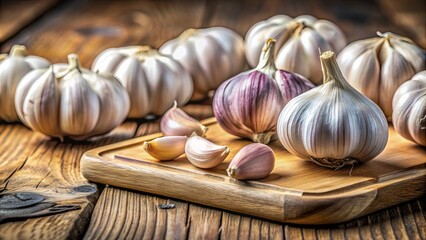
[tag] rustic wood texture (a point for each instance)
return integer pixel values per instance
(88, 27)
(15, 15)
(145, 219)
(33, 163)
(297, 191)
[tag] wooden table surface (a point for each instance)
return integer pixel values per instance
(35, 164)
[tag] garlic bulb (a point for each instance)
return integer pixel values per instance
(377, 66)
(248, 104)
(254, 161)
(333, 125)
(13, 68)
(68, 100)
(176, 122)
(211, 55)
(166, 148)
(204, 154)
(298, 41)
(152, 80)
(409, 109)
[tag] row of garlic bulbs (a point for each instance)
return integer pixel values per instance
(332, 125)
(154, 79)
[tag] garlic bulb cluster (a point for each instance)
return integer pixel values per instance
(333, 125)
(254, 161)
(409, 109)
(13, 68)
(166, 148)
(152, 80)
(298, 41)
(377, 66)
(176, 122)
(211, 55)
(248, 104)
(68, 100)
(204, 154)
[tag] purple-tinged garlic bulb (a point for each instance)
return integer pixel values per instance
(176, 122)
(254, 161)
(248, 105)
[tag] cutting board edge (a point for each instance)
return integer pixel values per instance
(288, 207)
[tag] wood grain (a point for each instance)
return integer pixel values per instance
(11, 22)
(189, 221)
(88, 27)
(297, 191)
(31, 162)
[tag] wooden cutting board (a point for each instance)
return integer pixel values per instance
(297, 191)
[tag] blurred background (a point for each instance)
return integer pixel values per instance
(53, 28)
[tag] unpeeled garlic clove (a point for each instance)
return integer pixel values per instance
(166, 148)
(204, 154)
(176, 122)
(254, 161)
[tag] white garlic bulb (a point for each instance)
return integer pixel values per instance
(211, 55)
(377, 66)
(409, 109)
(13, 68)
(298, 41)
(68, 100)
(333, 125)
(204, 154)
(152, 80)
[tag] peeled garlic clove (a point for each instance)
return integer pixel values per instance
(204, 154)
(254, 161)
(333, 125)
(166, 148)
(176, 122)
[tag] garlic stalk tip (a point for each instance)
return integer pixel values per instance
(266, 60)
(18, 50)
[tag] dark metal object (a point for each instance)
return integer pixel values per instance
(166, 206)
(23, 205)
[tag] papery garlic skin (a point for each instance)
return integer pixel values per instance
(248, 104)
(166, 148)
(13, 68)
(254, 161)
(409, 109)
(333, 125)
(298, 41)
(176, 122)
(204, 154)
(71, 101)
(153, 81)
(377, 66)
(211, 55)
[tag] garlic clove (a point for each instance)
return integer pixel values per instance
(166, 148)
(394, 66)
(204, 154)
(254, 161)
(176, 122)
